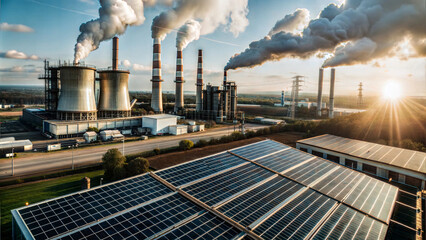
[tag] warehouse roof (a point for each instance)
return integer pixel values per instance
(264, 190)
(15, 144)
(398, 157)
(160, 116)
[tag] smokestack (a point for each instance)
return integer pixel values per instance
(157, 97)
(225, 79)
(282, 98)
(319, 99)
(199, 97)
(115, 53)
(332, 80)
(179, 81)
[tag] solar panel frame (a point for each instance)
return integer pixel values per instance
(251, 152)
(283, 161)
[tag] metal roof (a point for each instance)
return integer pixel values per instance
(398, 157)
(264, 190)
(160, 116)
(14, 144)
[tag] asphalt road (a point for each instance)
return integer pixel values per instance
(43, 162)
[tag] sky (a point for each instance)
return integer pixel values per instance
(34, 30)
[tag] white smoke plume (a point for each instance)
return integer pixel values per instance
(114, 18)
(189, 32)
(358, 31)
(292, 22)
(209, 13)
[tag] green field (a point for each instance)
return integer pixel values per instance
(16, 196)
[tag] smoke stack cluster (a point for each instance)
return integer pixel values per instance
(115, 53)
(179, 81)
(156, 98)
(199, 94)
(332, 81)
(319, 99)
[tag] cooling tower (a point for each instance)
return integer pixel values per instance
(332, 81)
(199, 93)
(157, 96)
(179, 103)
(114, 100)
(319, 98)
(77, 98)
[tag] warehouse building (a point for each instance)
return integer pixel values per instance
(9, 145)
(159, 124)
(390, 163)
(265, 190)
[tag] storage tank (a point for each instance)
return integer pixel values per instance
(114, 100)
(77, 98)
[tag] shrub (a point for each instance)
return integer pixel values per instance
(114, 164)
(201, 143)
(225, 139)
(237, 136)
(137, 166)
(93, 129)
(157, 151)
(186, 144)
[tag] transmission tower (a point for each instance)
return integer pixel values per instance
(296, 88)
(360, 101)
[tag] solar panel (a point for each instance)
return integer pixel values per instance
(143, 222)
(207, 227)
(298, 218)
(255, 203)
(373, 197)
(346, 223)
(284, 160)
(217, 188)
(311, 171)
(252, 152)
(64, 214)
(194, 170)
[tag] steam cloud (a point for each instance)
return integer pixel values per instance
(358, 31)
(291, 22)
(209, 14)
(114, 17)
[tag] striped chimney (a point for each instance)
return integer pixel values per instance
(319, 97)
(199, 93)
(331, 101)
(179, 103)
(157, 97)
(225, 79)
(115, 53)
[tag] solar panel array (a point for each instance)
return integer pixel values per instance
(399, 157)
(262, 190)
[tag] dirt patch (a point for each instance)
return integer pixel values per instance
(11, 114)
(171, 159)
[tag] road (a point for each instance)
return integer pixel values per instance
(43, 162)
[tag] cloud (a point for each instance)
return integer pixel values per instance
(22, 69)
(17, 55)
(14, 27)
(91, 2)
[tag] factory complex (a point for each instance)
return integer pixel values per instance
(79, 96)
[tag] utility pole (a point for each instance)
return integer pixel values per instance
(296, 88)
(360, 100)
(123, 146)
(13, 167)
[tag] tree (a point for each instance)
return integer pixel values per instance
(114, 164)
(137, 166)
(185, 144)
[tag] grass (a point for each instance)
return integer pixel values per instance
(18, 195)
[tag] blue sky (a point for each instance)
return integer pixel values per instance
(56, 27)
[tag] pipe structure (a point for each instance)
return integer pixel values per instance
(179, 102)
(319, 99)
(199, 93)
(115, 53)
(157, 96)
(332, 81)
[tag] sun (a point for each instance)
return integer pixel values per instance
(391, 91)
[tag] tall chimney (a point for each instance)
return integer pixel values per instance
(157, 96)
(179, 81)
(331, 103)
(199, 94)
(319, 99)
(225, 79)
(282, 98)
(115, 53)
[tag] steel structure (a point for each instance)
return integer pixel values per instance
(360, 101)
(52, 85)
(77, 99)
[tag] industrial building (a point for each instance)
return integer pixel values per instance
(159, 124)
(264, 190)
(390, 163)
(10, 145)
